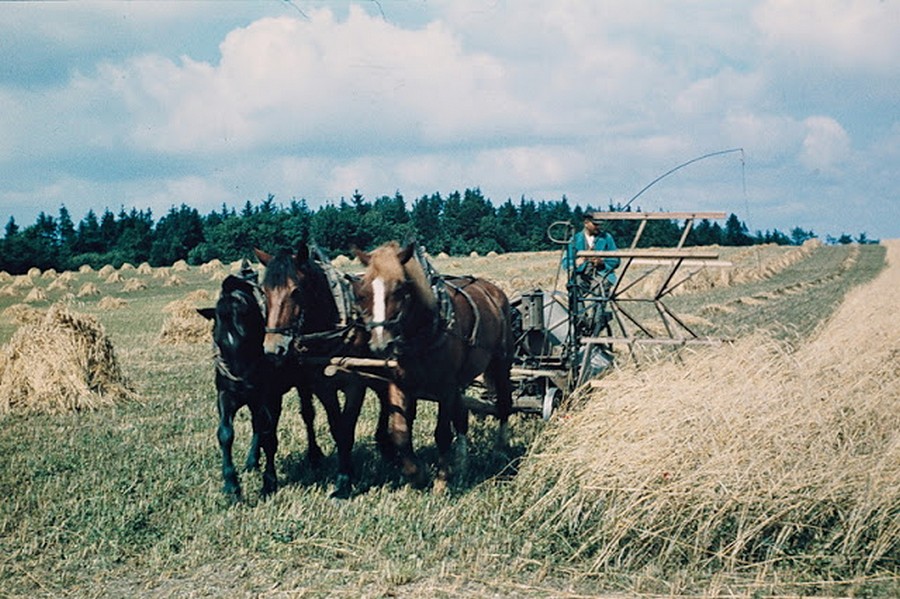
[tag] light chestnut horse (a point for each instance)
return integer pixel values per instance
(438, 352)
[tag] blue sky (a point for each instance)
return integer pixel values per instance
(154, 104)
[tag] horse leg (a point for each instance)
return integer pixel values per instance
(265, 423)
(354, 393)
(327, 394)
(227, 408)
(382, 435)
(461, 426)
(308, 413)
(443, 438)
(401, 415)
(497, 376)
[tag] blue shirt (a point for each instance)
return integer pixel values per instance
(602, 242)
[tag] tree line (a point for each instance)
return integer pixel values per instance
(458, 224)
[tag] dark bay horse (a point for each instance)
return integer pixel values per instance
(304, 328)
(244, 378)
(442, 340)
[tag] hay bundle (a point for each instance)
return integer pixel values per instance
(50, 273)
(145, 269)
(134, 285)
(199, 296)
(161, 273)
(60, 284)
(112, 303)
(64, 363)
(88, 289)
(126, 266)
(85, 269)
(115, 277)
(745, 461)
(33, 273)
(5, 277)
(23, 314)
(22, 282)
(174, 281)
(340, 261)
(36, 295)
(184, 325)
(212, 266)
(180, 266)
(9, 291)
(106, 271)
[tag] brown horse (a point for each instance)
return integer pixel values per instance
(303, 330)
(442, 340)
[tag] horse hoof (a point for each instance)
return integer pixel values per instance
(503, 436)
(315, 456)
(343, 488)
(269, 487)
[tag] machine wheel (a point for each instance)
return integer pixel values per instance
(552, 395)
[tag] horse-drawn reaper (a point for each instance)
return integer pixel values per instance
(409, 333)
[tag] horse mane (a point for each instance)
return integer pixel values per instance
(385, 262)
(280, 270)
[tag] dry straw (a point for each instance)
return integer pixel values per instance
(134, 285)
(23, 314)
(112, 303)
(36, 295)
(214, 265)
(88, 290)
(742, 459)
(145, 269)
(63, 363)
(183, 324)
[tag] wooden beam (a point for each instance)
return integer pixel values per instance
(652, 254)
(657, 215)
(650, 341)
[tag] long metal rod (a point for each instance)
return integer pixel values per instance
(679, 167)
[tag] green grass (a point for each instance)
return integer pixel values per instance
(125, 501)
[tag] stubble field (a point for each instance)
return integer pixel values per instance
(766, 466)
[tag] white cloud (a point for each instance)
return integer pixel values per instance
(322, 83)
(854, 34)
(826, 144)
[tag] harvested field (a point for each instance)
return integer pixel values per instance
(763, 468)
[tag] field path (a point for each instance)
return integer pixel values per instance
(866, 323)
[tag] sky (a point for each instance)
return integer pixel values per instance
(114, 105)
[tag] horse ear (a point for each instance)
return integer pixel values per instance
(207, 313)
(302, 254)
(364, 258)
(263, 256)
(232, 282)
(406, 253)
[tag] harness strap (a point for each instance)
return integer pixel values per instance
(340, 289)
(476, 326)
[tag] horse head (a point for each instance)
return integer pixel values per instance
(392, 287)
(298, 299)
(238, 324)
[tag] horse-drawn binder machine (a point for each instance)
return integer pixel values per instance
(566, 337)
